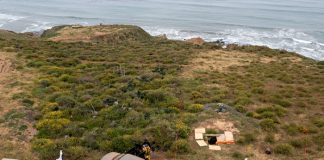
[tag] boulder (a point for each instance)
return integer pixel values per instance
(196, 41)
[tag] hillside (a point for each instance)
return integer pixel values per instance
(103, 88)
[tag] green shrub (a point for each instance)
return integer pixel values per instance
(75, 152)
(278, 110)
(291, 129)
(180, 146)
(258, 90)
(52, 127)
(196, 95)
(20, 95)
(242, 101)
(65, 101)
(268, 125)
(182, 129)
(250, 114)
(320, 63)
(194, 108)
(238, 155)
(246, 138)
(301, 142)
(240, 109)
(268, 114)
(22, 127)
(122, 144)
(105, 146)
(46, 147)
(281, 101)
(269, 138)
(284, 149)
(134, 118)
(68, 78)
(163, 132)
(254, 115)
(45, 83)
(211, 131)
(319, 139)
(28, 102)
(189, 118)
(155, 96)
(95, 104)
(14, 114)
(318, 122)
(36, 64)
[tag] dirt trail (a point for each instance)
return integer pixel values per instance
(15, 133)
(5, 65)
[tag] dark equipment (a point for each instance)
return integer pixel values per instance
(137, 150)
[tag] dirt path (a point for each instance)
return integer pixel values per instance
(16, 128)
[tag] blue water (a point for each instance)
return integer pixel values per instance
(294, 25)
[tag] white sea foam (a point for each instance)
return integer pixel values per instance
(301, 41)
(39, 26)
(307, 49)
(9, 18)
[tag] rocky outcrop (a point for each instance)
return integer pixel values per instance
(100, 33)
(196, 41)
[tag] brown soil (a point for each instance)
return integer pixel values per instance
(85, 34)
(219, 124)
(14, 143)
(221, 61)
(5, 66)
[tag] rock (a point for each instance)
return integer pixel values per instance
(196, 41)
(268, 151)
(162, 37)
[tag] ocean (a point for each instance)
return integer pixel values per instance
(294, 25)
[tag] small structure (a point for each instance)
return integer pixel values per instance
(214, 140)
(201, 143)
(199, 133)
(215, 147)
(229, 138)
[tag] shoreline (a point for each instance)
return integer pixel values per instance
(221, 41)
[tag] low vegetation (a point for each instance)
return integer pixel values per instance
(106, 92)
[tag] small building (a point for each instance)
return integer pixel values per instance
(214, 140)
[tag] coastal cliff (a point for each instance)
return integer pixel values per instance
(98, 89)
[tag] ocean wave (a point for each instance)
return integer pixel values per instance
(307, 49)
(9, 18)
(39, 26)
(69, 17)
(302, 41)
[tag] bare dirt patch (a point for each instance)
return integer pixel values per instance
(5, 66)
(219, 124)
(221, 61)
(15, 134)
(85, 34)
